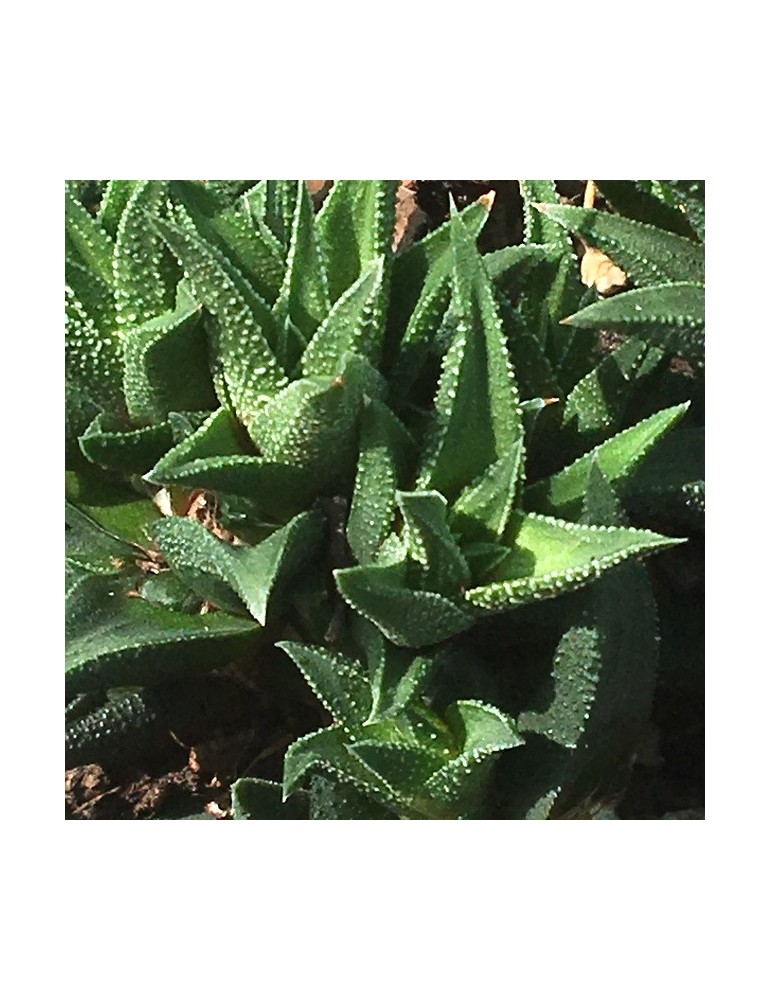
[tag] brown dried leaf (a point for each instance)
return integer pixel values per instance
(411, 220)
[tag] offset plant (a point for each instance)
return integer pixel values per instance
(288, 443)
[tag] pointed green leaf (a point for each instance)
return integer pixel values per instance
(133, 451)
(140, 290)
(154, 355)
(424, 323)
(348, 327)
(575, 672)
(405, 768)
(93, 361)
(431, 544)
(327, 751)
(339, 683)
(255, 798)
(90, 546)
(406, 617)
(633, 201)
(412, 267)
(355, 226)
(304, 296)
(249, 366)
(482, 511)
(89, 239)
(112, 504)
(311, 424)
(478, 727)
(670, 316)
(647, 254)
(477, 418)
(538, 227)
(95, 297)
(551, 557)
(115, 641)
(114, 201)
(276, 490)
(486, 731)
(384, 449)
(219, 571)
(617, 457)
(596, 405)
(687, 197)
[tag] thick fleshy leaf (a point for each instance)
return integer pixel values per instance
(245, 326)
(563, 492)
(687, 197)
(276, 490)
(330, 798)
(93, 361)
(551, 557)
(539, 228)
(670, 481)
(424, 323)
(384, 450)
(112, 504)
(430, 542)
(114, 201)
(598, 698)
(256, 798)
(482, 511)
(219, 435)
(154, 354)
(141, 292)
(89, 239)
(670, 316)
(648, 255)
(355, 226)
(327, 751)
(348, 326)
(95, 298)
(117, 641)
(339, 683)
(219, 571)
(304, 296)
(91, 547)
(632, 200)
(312, 424)
(407, 617)
(133, 451)
(484, 731)
(410, 281)
(596, 405)
(575, 672)
(405, 768)
(477, 419)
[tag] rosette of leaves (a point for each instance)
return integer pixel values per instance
(224, 338)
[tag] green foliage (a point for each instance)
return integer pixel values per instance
(288, 444)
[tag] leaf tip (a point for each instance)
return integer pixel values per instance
(487, 200)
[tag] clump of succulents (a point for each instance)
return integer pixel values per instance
(409, 475)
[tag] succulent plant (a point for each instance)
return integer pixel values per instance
(288, 443)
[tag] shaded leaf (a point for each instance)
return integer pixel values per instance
(116, 641)
(617, 457)
(670, 316)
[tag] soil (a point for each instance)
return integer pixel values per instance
(192, 781)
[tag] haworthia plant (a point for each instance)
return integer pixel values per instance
(292, 448)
